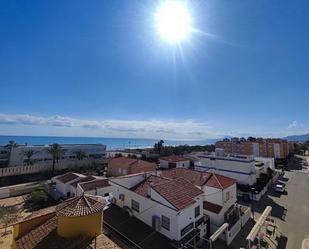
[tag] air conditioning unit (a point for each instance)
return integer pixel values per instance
(121, 197)
(156, 223)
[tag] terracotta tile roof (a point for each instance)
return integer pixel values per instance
(197, 178)
(84, 179)
(45, 236)
(214, 208)
(219, 181)
(67, 177)
(200, 178)
(34, 237)
(131, 165)
(94, 184)
(80, 206)
(174, 158)
(179, 192)
(142, 188)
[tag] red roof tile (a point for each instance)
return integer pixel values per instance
(131, 165)
(34, 237)
(200, 178)
(197, 178)
(80, 206)
(67, 177)
(45, 236)
(142, 188)
(94, 184)
(214, 208)
(174, 158)
(179, 192)
(219, 181)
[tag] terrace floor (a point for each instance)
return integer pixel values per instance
(129, 231)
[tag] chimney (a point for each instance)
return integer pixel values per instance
(150, 184)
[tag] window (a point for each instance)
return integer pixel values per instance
(227, 196)
(165, 222)
(135, 205)
(197, 211)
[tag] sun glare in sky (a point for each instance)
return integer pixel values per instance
(173, 20)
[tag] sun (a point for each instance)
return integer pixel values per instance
(173, 20)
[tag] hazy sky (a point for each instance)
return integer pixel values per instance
(99, 68)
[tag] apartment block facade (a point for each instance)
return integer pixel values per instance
(259, 147)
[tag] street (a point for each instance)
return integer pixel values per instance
(290, 210)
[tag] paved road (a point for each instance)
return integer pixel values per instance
(290, 210)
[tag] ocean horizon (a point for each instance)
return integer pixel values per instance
(111, 143)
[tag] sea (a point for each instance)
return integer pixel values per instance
(111, 143)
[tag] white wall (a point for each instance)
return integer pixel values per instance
(64, 188)
(163, 164)
(256, 149)
(269, 162)
(242, 171)
(213, 195)
(219, 197)
(277, 153)
(183, 164)
(99, 191)
(180, 164)
(216, 220)
(232, 190)
(130, 180)
(152, 207)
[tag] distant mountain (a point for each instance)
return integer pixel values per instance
(298, 138)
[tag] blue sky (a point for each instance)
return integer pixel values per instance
(99, 68)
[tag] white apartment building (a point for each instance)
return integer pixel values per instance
(170, 162)
(18, 158)
(238, 167)
(173, 207)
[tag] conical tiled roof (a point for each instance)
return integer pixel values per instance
(80, 206)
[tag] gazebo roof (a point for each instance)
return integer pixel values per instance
(80, 206)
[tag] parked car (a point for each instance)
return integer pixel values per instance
(279, 188)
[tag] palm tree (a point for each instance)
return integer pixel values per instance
(159, 146)
(56, 151)
(12, 144)
(80, 154)
(29, 154)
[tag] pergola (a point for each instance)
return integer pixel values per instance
(258, 226)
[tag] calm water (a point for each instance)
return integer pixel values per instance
(112, 143)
